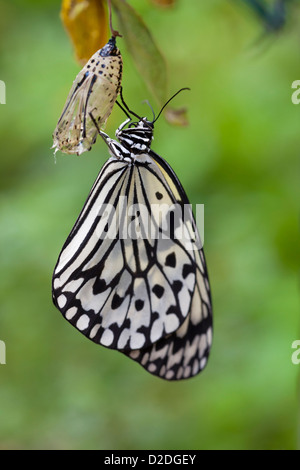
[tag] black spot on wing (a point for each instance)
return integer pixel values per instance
(158, 291)
(139, 304)
(116, 301)
(186, 270)
(177, 286)
(99, 286)
(171, 260)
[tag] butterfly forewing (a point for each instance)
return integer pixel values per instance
(118, 280)
(94, 90)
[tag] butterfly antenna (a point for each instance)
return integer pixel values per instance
(126, 107)
(181, 89)
(147, 102)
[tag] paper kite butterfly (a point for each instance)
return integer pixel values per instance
(132, 275)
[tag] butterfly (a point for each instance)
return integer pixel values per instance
(132, 275)
(95, 89)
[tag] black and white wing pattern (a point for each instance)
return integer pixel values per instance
(131, 275)
(94, 90)
(185, 352)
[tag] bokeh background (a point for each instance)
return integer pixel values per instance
(238, 156)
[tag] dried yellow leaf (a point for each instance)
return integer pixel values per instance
(87, 25)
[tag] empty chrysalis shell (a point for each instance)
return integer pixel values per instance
(94, 90)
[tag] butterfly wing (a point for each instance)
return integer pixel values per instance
(185, 352)
(121, 278)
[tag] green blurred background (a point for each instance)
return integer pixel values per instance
(238, 156)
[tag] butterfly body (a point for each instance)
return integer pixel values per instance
(132, 274)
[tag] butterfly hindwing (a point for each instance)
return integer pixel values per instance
(184, 353)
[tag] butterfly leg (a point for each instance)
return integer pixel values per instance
(123, 125)
(103, 135)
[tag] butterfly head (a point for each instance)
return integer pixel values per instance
(137, 137)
